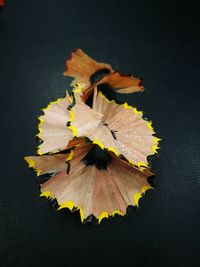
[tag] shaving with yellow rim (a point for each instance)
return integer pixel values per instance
(120, 187)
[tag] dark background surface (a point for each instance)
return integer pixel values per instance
(156, 40)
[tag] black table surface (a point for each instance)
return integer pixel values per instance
(158, 41)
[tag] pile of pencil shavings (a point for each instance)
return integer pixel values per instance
(93, 149)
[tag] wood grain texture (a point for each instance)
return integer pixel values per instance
(156, 40)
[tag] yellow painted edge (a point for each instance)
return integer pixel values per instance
(38, 172)
(140, 164)
(125, 105)
(105, 98)
(73, 84)
(138, 195)
(31, 164)
(74, 130)
(47, 194)
(102, 216)
(149, 125)
(70, 205)
(105, 214)
(101, 145)
(136, 198)
(156, 140)
(71, 127)
(71, 154)
(154, 148)
(41, 121)
(69, 97)
(77, 88)
(97, 142)
(145, 188)
(113, 150)
(72, 116)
